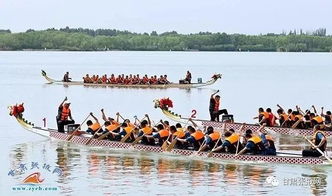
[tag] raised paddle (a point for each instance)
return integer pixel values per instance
(214, 147)
(238, 141)
(95, 134)
(319, 150)
(79, 127)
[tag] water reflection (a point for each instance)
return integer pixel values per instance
(123, 172)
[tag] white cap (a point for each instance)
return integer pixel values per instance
(66, 102)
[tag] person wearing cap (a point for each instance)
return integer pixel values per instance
(214, 107)
(64, 114)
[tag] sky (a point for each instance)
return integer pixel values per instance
(183, 16)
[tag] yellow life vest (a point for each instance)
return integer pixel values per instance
(179, 133)
(233, 138)
(256, 139)
(318, 119)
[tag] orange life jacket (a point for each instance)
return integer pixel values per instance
(179, 133)
(163, 133)
(113, 126)
(265, 115)
(318, 119)
(299, 116)
(216, 105)
(197, 135)
(285, 116)
(215, 136)
(65, 113)
(233, 138)
(292, 117)
(95, 126)
(128, 129)
(147, 130)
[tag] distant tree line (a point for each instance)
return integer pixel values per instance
(79, 39)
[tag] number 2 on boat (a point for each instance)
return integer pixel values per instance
(193, 113)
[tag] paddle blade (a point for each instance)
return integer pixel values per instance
(124, 139)
(171, 146)
(137, 140)
(164, 146)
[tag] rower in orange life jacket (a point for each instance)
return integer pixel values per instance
(254, 145)
(161, 135)
(195, 139)
(230, 142)
(320, 140)
(64, 115)
(93, 127)
(146, 129)
(211, 138)
(263, 117)
(214, 107)
(283, 118)
(315, 120)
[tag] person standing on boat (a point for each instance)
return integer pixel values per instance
(64, 114)
(66, 77)
(320, 141)
(214, 107)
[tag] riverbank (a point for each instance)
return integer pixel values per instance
(104, 40)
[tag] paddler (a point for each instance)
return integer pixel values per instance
(271, 118)
(211, 137)
(316, 119)
(268, 141)
(146, 129)
(283, 118)
(93, 126)
(254, 144)
(263, 117)
(64, 114)
(161, 135)
(214, 107)
(320, 141)
(195, 139)
(230, 143)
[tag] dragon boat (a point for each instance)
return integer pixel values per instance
(213, 79)
(86, 140)
(164, 104)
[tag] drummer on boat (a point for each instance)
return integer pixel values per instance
(214, 107)
(64, 115)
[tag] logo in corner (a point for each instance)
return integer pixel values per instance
(33, 178)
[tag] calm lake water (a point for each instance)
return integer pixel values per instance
(250, 81)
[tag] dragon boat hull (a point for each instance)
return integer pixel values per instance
(153, 86)
(54, 134)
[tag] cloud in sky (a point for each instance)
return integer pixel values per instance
(185, 16)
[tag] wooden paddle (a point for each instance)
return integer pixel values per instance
(172, 144)
(238, 141)
(137, 140)
(319, 150)
(215, 145)
(79, 127)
